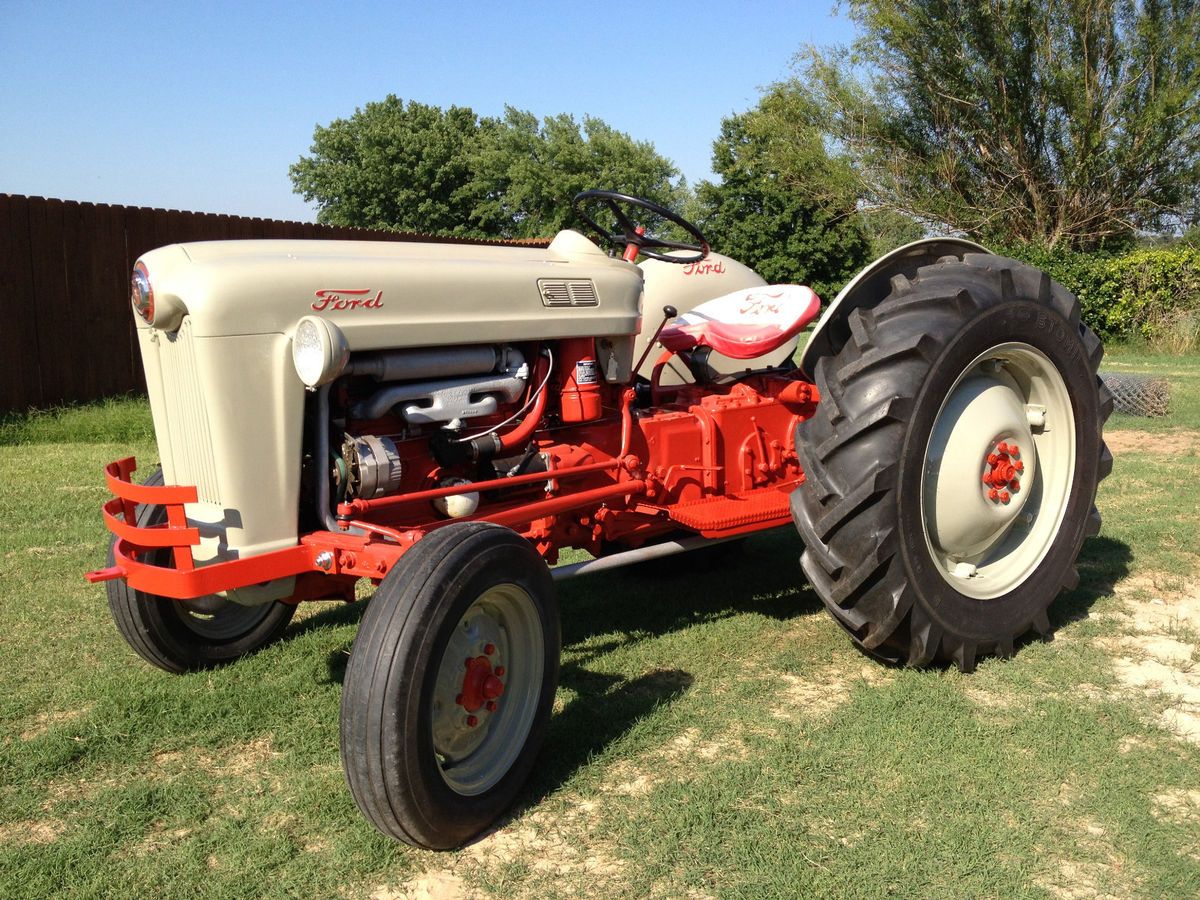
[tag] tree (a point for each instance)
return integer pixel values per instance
(787, 233)
(532, 171)
(1073, 122)
(394, 166)
(419, 168)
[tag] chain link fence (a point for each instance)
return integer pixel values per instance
(1138, 395)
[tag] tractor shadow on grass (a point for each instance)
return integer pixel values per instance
(619, 609)
(609, 611)
(1102, 564)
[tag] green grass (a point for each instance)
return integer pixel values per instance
(715, 732)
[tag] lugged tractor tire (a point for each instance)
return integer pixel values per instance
(893, 494)
(181, 636)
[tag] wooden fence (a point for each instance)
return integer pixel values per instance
(66, 329)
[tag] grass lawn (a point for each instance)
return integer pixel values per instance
(715, 733)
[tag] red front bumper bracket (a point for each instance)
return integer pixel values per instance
(184, 581)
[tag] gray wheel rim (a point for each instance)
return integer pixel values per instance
(217, 618)
(1007, 414)
(500, 636)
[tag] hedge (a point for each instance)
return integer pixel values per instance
(1145, 294)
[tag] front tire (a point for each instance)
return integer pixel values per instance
(450, 685)
(952, 464)
(181, 636)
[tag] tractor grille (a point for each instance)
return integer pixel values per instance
(568, 293)
(186, 415)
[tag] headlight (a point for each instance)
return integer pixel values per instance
(319, 351)
(142, 294)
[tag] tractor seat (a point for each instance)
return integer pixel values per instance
(746, 323)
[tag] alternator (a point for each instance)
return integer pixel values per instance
(374, 466)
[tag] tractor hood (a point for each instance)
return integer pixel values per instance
(391, 294)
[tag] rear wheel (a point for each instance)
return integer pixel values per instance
(450, 685)
(952, 463)
(185, 635)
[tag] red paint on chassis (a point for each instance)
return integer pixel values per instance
(716, 464)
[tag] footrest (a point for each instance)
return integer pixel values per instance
(727, 513)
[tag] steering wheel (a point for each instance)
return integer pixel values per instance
(633, 238)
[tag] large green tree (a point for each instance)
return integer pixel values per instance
(808, 233)
(414, 167)
(1063, 122)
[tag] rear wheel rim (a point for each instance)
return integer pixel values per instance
(486, 692)
(998, 470)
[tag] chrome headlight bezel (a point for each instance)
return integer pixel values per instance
(142, 293)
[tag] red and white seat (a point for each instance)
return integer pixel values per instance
(745, 323)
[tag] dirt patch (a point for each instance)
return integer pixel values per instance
(1100, 869)
(689, 746)
(1179, 806)
(441, 885)
(237, 760)
(547, 848)
(820, 693)
(1161, 443)
(31, 832)
(159, 837)
(44, 721)
(1158, 655)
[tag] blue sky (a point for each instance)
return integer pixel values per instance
(204, 106)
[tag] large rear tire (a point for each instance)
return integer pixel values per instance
(952, 463)
(450, 685)
(187, 635)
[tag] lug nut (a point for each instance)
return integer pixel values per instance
(1005, 496)
(489, 649)
(499, 670)
(1019, 466)
(992, 459)
(491, 706)
(993, 494)
(1014, 485)
(472, 721)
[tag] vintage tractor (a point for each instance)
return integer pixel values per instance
(443, 419)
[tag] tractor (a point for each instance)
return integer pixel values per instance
(443, 419)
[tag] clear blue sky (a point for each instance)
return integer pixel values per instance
(204, 106)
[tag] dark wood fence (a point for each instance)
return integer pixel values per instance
(66, 329)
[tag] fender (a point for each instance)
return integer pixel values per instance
(870, 286)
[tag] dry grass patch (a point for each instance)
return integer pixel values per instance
(819, 694)
(1157, 656)
(31, 832)
(439, 885)
(44, 721)
(1164, 443)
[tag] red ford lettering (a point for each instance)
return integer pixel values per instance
(346, 298)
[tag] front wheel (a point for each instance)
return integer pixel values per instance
(186, 635)
(952, 464)
(450, 685)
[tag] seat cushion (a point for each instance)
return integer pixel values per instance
(745, 323)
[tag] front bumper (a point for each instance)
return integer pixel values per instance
(183, 580)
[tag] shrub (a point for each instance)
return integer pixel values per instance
(1147, 294)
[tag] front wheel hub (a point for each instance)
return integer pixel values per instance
(481, 685)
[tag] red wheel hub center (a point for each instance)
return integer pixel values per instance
(481, 685)
(1002, 472)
